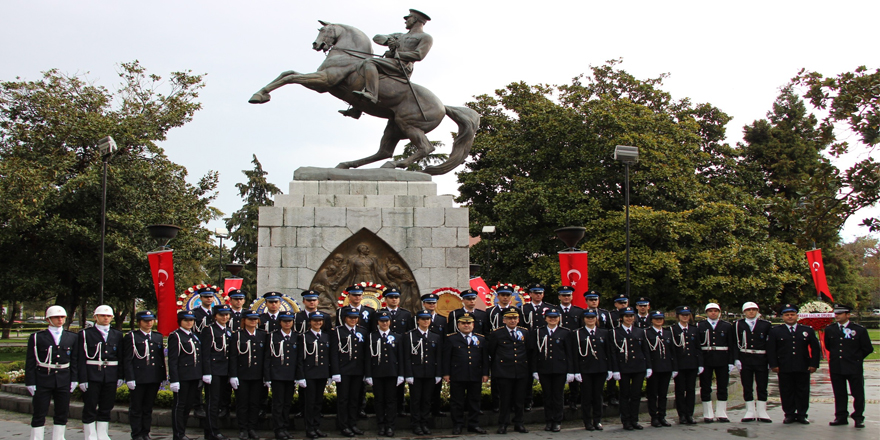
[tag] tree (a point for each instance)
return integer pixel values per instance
(431, 159)
(865, 257)
(244, 223)
(50, 186)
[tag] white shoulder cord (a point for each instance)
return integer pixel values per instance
(344, 348)
(377, 353)
(744, 342)
(192, 346)
(679, 342)
(280, 352)
(589, 348)
(495, 319)
(214, 343)
(542, 346)
(623, 349)
(314, 351)
(248, 351)
(708, 341)
(86, 348)
(303, 329)
(417, 348)
(134, 350)
(657, 343)
(529, 317)
(37, 350)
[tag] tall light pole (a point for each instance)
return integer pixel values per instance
(107, 147)
(221, 233)
(489, 231)
(629, 156)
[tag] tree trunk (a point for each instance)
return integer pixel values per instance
(13, 313)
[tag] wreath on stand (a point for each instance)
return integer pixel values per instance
(520, 296)
(190, 299)
(373, 295)
(817, 315)
(448, 299)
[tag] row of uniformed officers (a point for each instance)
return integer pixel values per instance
(558, 344)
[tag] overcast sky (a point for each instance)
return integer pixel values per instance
(734, 55)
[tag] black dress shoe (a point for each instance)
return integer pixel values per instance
(242, 434)
(839, 422)
(691, 421)
(362, 415)
(589, 427)
(598, 426)
(803, 420)
(520, 428)
(859, 423)
(636, 425)
(389, 432)
(426, 430)
(224, 412)
(477, 429)
(613, 401)
(199, 413)
(627, 427)
(528, 408)
(418, 431)
(663, 422)
(220, 437)
(381, 431)
(357, 430)
(547, 427)
(289, 435)
(555, 427)
(311, 434)
(252, 434)
(656, 423)
(320, 433)
(722, 420)
(456, 430)
(502, 429)
(262, 414)
(280, 435)
(346, 433)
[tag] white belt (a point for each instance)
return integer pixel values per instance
(53, 366)
(750, 351)
(103, 363)
(714, 348)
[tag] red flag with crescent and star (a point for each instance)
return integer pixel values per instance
(482, 289)
(573, 267)
(162, 267)
(232, 283)
(817, 269)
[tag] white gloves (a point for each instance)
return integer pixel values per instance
(233, 382)
(649, 373)
(731, 367)
(206, 379)
(610, 374)
(174, 387)
(267, 383)
(73, 386)
(535, 376)
(399, 380)
(83, 386)
(578, 377)
(738, 365)
(32, 389)
(368, 381)
(301, 383)
(700, 370)
(410, 380)
(437, 380)
(569, 378)
(336, 378)
(674, 373)
(616, 376)
(119, 382)
(131, 384)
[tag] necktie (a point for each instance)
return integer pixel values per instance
(384, 336)
(549, 332)
(468, 340)
(792, 329)
(660, 333)
(512, 334)
(393, 313)
(566, 309)
(286, 338)
(628, 331)
(591, 332)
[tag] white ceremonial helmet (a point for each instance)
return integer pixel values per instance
(712, 306)
(55, 311)
(103, 310)
(750, 305)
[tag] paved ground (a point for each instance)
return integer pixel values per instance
(15, 425)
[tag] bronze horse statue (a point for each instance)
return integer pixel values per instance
(411, 110)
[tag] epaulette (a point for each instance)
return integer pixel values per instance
(450, 334)
(478, 334)
(524, 328)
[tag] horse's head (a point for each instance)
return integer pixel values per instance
(327, 36)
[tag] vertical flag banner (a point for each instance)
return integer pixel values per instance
(483, 292)
(232, 283)
(573, 270)
(162, 268)
(817, 269)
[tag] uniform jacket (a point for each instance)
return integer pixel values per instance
(43, 352)
(440, 325)
(552, 354)
(847, 349)
(421, 354)
(281, 357)
(573, 319)
(349, 351)
(464, 362)
(718, 344)
(643, 321)
(510, 354)
(385, 356)
(269, 324)
(184, 356)
(313, 356)
(631, 352)
(688, 355)
(203, 319)
(593, 353)
(615, 317)
(143, 357)
(367, 314)
(534, 315)
(662, 350)
(497, 321)
(402, 321)
(792, 353)
(234, 322)
(301, 323)
(481, 320)
(751, 345)
(96, 357)
(216, 344)
(247, 354)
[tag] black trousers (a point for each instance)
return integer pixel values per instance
(553, 386)
(685, 392)
(435, 397)
(213, 395)
(752, 375)
(184, 399)
(591, 397)
(657, 389)
(401, 398)
(630, 395)
(282, 396)
(247, 403)
(420, 394)
(841, 400)
(385, 401)
(42, 397)
(313, 403)
(722, 379)
(461, 395)
(348, 401)
(140, 408)
(794, 392)
(512, 394)
(574, 392)
(98, 401)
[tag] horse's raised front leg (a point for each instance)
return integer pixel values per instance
(316, 80)
(389, 141)
(423, 149)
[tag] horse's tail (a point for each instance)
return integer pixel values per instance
(468, 121)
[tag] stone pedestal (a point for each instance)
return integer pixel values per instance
(299, 233)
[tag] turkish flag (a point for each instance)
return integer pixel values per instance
(817, 269)
(162, 267)
(232, 283)
(573, 267)
(478, 285)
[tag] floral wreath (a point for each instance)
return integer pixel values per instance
(379, 297)
(448, 290)
(819, 309)
(183, 298)
(516, 290)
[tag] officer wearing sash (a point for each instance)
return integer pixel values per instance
(365, 312)
(422, 370)
(663, 366)
(793, 352)
(469, 305)
(143, 359)
(204, 313)
(466, 354)
(643, 317)
(269, 319)
(215, 368)
(384, 371)
(99, 350)
(603, 317)
(438, 326)
(553, 366)
(751, 360)
(633, 360)
(50, 373)
(347, 366)
(689, 359)
(313, 370)
(718, 342)
(509, 353)
(236, 303)
(533, 311)
(280, 372)
(594, 365)
(848, 345)
(247, 354)
(572, 318)
(184, 371)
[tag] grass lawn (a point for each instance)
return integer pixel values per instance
(12, 357)
(874, 334)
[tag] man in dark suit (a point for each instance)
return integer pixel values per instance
(603, 317)
(422, 370)
(503, 301)
(402, 321)
(215, 340)
(620, 302)
(689, 358)
(50, 373)
(184, 371)
(236, 303)
(643, 317)
(553, 365)
(143, 359)
(313, 370)
(717, 340)
(848, 345)
(663, 366)
(439, 326)
(280, 373)
(204, 313)
(751, 360)
(572, 319)
(384, 371)
(469, 305)
(301, 320)
(247, 354)
(793, 353)
(269, 319)
(466, 354)
(347, 366)
(633, 360)
(365, 312)
(508, 351)
(593, 367)
(100, 349)
(533, 311)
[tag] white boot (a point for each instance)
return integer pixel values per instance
(750, 412)
(58, 432)
(761, 409)
(37, 433)
(708, 415)
(103, 427)
(89, 431)
(721, 411)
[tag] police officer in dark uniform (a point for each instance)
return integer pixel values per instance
(533, 311)
(439, 326)
(313, 370)
(751, 353)
(663, 366)
(269, 319)
(503, 301)
(554, 365)
(718, 342)
(689, 359)
(643, 317)
(384, 371)
(465, 353)
(572, 319)
(603, 317)
(184, 371)
(365, 312)
(793, 352)
(280, 372)
(422, 370)
(50, 373)
(204, 313)
(236, 303)
(402, 321)
(620, 302)
(143, 360)
(301, 321)
(509, 354)
(469, 305)
(594, 365)
(100, 348)
(633, 360)
(347, 366)
(247, 354)
(215, 339)
(848, 345)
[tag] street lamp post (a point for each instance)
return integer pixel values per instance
(107, 147)
(221, 233)
(629, 156)
(489, 231)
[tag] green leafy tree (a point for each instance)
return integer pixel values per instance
(431, 159)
